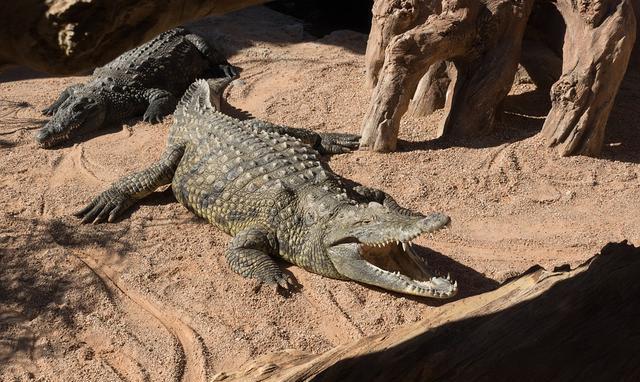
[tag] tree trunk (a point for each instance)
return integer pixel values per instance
(544, 326)
(483, 40)
(391, 18)
(431, 92)
(69, 36)
(597, 46)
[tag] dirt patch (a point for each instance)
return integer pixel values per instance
(151, 297)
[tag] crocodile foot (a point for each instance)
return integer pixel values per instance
(338, 143)
(106, 206)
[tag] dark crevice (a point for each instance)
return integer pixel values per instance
(321, 17)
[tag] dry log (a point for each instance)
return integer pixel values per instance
(586, 61)
(483, 40)
(431, 92)
(69, 36)
(597, 47)
(581, 324)
(391, 18)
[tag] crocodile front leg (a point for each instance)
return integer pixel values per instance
(325, 143)
(66, 93)
(131, 188)
(161, 103)
(248, 255)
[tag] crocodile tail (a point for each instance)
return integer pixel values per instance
(195, 100)
(203, 95)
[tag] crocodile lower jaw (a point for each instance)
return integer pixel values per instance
(353, 261)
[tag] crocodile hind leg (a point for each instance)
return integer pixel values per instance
(66, 93)
(248, 255)
(325, 143)
(220, 67)
(131, 188)
(161, 103)
(375, 195)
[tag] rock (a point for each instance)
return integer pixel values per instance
(71, 36)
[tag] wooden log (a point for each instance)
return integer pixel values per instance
(391, 18)
(482, 38)
(597, 47)
(584, 54)
(431, 92)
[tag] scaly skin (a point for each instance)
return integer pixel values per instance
(264, 185)
(147, 80)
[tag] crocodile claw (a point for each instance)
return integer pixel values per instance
(105, 207)
(284, 281)
(338, 143)
(230, 71)
(152, 117)
(51, 110)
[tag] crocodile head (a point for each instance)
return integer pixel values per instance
(78, 112)
(371, 244)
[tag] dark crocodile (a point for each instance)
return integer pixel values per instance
(148, 79)
(265, 185)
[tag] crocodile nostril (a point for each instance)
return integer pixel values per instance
(42, 135)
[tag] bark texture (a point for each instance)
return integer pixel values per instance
(431, 92)
(483, 40)
(578, 50)
(577, 324)
(69, 36)
(597, 46)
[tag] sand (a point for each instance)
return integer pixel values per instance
(150, 298)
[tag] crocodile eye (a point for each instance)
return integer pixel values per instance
(309, 219)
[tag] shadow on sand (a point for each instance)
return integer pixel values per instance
(585, 327)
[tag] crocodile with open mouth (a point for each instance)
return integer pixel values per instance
(264, 185)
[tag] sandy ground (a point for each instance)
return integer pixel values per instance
(150, 297)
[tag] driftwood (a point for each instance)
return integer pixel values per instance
(600, 36)
(581, 324)
(483, 39)
(585, 61)
(69, 36)
(431, 93)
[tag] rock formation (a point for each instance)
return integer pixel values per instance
(70, 36)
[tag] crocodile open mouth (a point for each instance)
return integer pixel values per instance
(48, 137)
(393, 264)
(400, 261)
